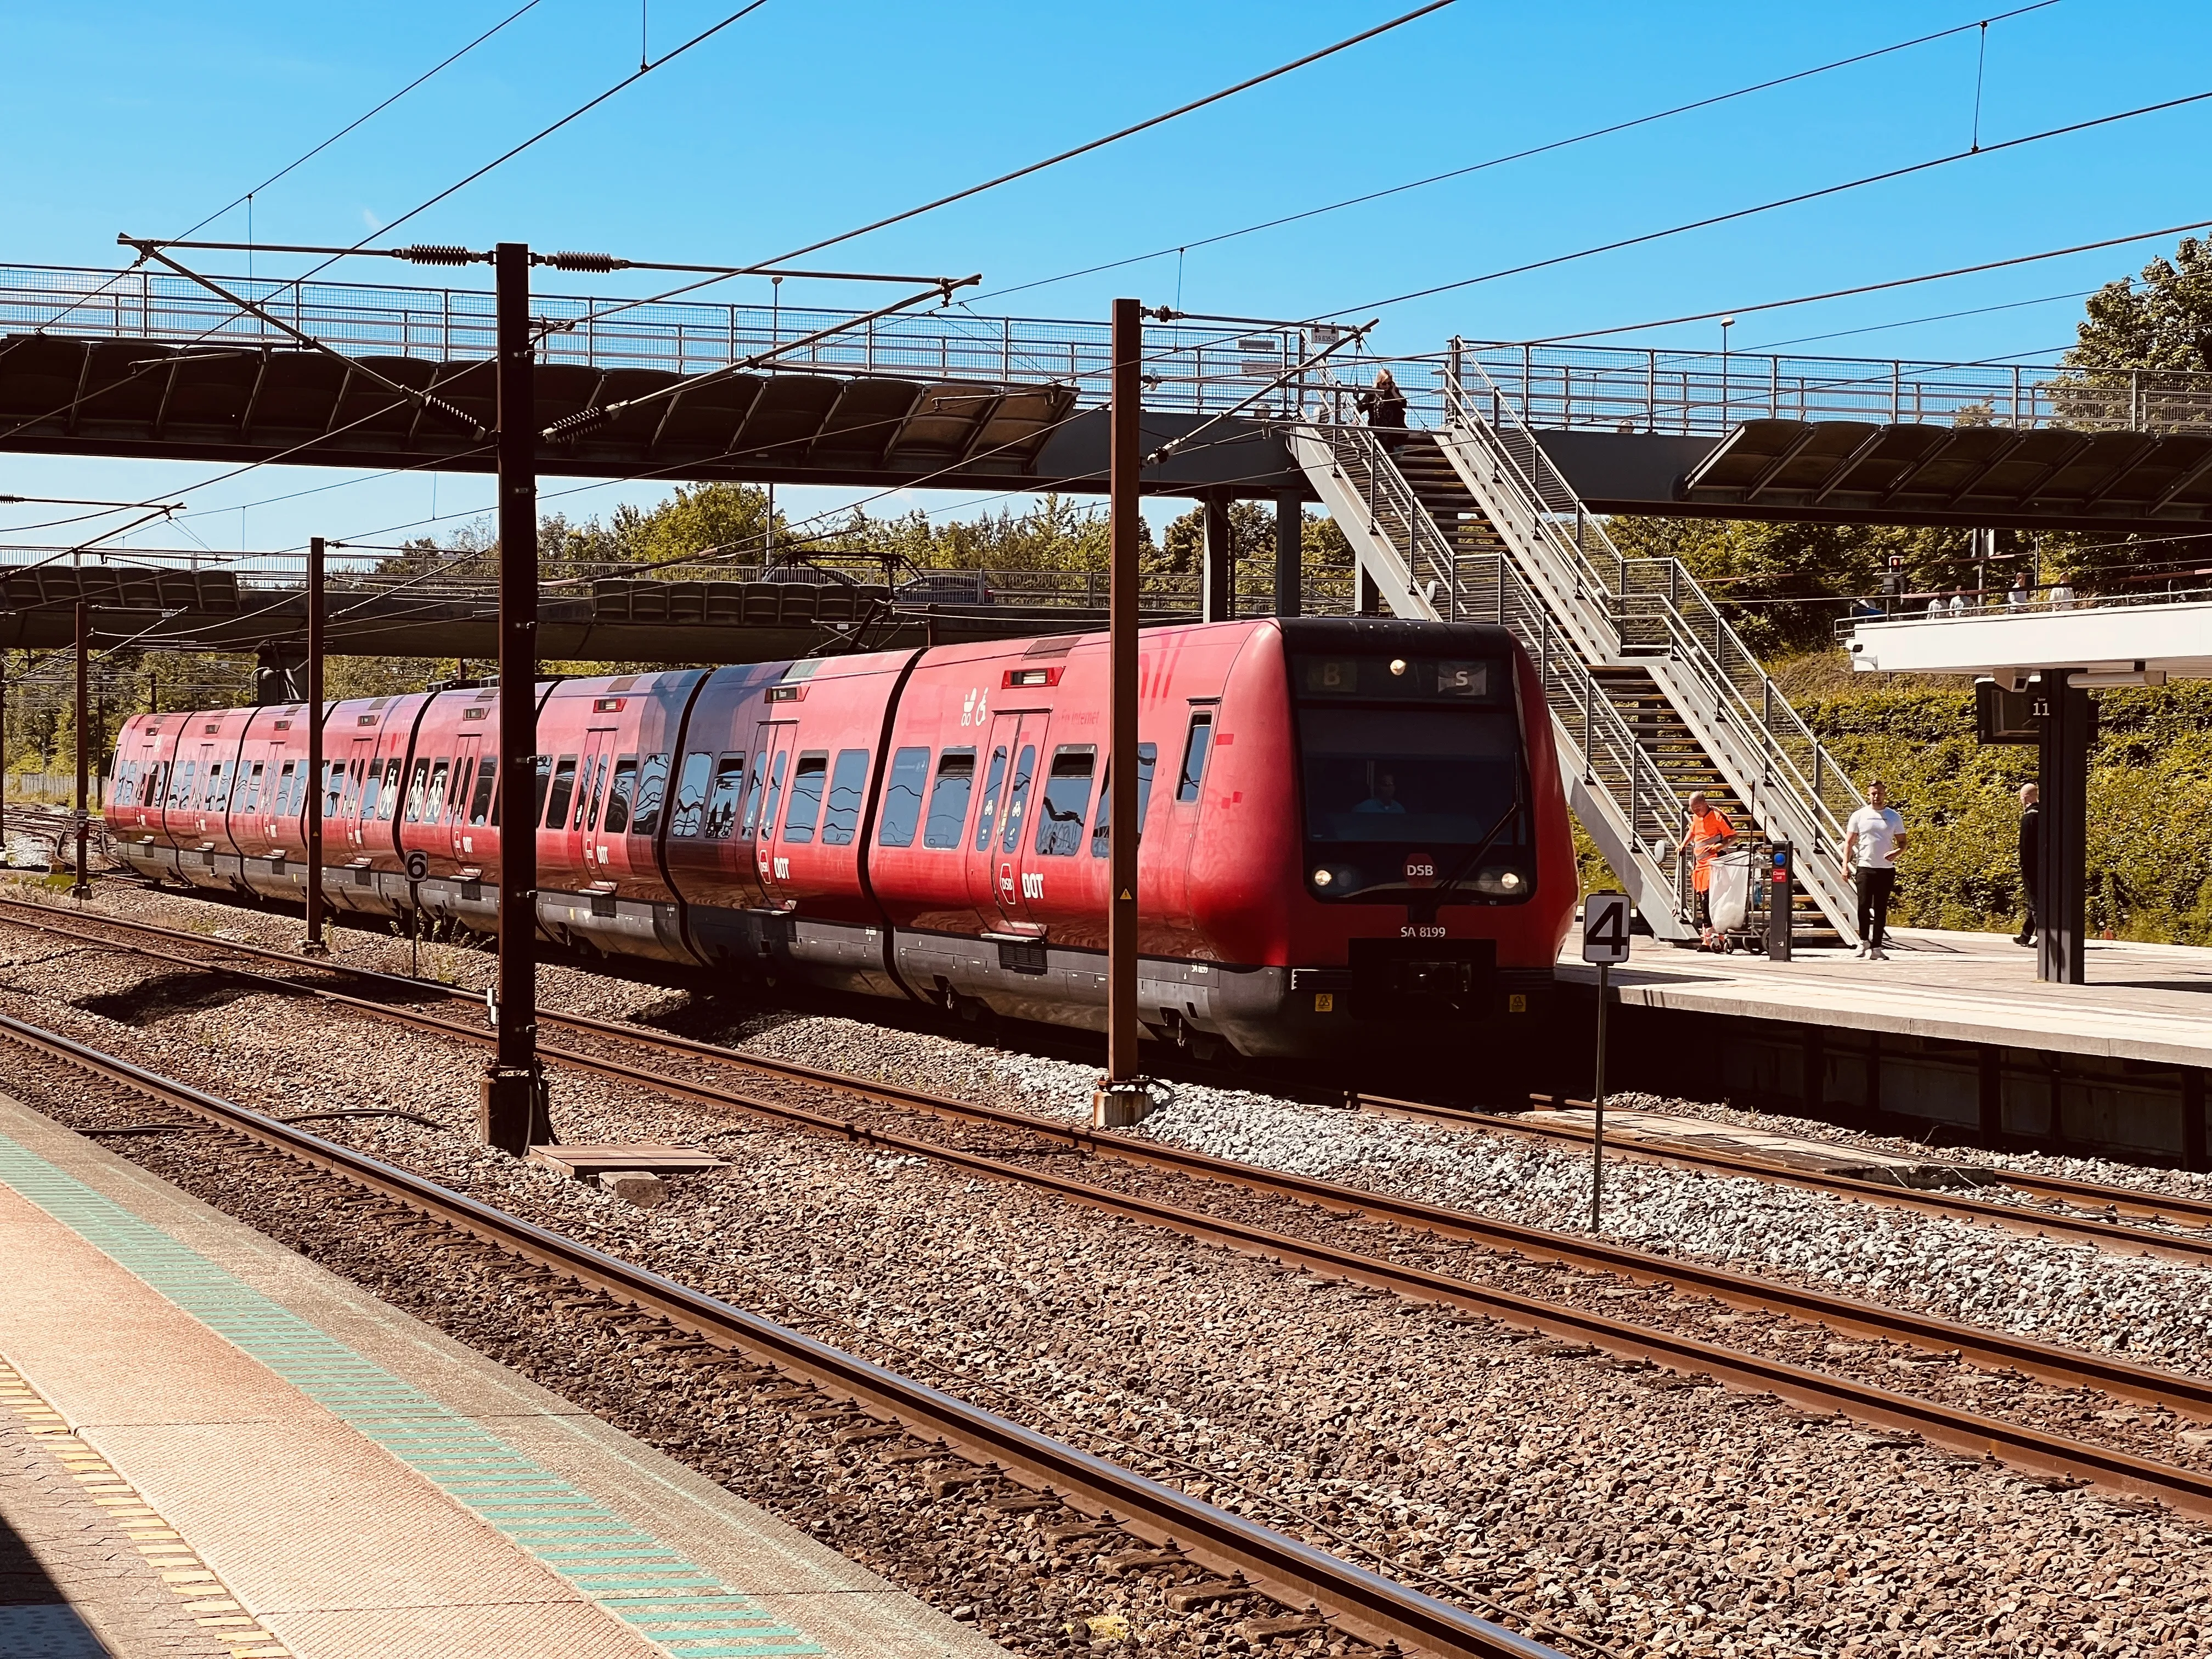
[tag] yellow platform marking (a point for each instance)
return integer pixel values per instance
(199, 1590)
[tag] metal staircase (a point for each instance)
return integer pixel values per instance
(1652, 694)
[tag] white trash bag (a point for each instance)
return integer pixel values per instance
(1731, 889)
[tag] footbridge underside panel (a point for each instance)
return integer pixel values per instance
(150, 401)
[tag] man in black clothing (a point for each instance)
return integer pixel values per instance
(2031, 850)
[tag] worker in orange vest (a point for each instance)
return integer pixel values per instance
(1707, 832)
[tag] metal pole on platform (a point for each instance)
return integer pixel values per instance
(313, 945)
(514, 1113)
(81, 888)
(1123, 1096)
(1597, 1101)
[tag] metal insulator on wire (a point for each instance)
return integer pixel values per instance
(437, 253)
(573, 261)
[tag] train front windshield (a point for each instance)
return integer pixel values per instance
(1410, 775)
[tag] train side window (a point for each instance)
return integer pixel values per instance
(1194, 749)
(652, 789)
(351, 800)
(390, 803)
(806, 783)
(542, 766)
(564, 788)
(418, 786)
(1066, 800)
(371, 789)
(287, 778)
(616, 819)
(334, 786)
(722, 805)
(183, 790)
(990, 810)
(1018, 798)
(214, 789)
(691, 794)
(903, 799)
(1101, 832)
(848, 783)
(434, 796)
(948, 801)
(591, 784)
(486, 781)
(457, 791)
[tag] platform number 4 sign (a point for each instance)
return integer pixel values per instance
(1605, 928)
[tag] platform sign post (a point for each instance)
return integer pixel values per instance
(1605, 942)
(513, 1111)
(313, 945)
(418, 868)
(1122, 1097)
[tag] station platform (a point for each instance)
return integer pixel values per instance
(209, 1445)
(1954, 1029)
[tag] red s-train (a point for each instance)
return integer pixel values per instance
(1351, 829)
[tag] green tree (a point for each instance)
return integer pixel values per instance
(2166, 323)
(1782, 586)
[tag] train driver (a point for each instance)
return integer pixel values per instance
(1384, 797)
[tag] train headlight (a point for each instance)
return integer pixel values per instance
(1322, 878)
(1397, 664)
(1501, 883)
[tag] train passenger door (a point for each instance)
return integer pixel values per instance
(591, 769)
(774, 757)
(361, 758)
(473, 813)
(1002, 820)
(466, 748)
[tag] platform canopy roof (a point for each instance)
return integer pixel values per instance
(2172, 639)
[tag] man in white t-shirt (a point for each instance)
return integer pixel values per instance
(1872, 840)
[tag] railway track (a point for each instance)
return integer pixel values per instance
(2105, 1232)
(2023, 1446)
(1363, 1603)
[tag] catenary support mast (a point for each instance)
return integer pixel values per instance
(318, 786)
(514, 1087)
(1123, 1096)
(81, 888)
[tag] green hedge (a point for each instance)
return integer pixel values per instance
(2150, 804)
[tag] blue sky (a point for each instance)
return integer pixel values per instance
(813, 116)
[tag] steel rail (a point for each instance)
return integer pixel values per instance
(2158, 1206)
(1966, 1430)
(1364, 1602)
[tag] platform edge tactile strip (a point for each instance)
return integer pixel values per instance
(657, 1592)
(214, 1606)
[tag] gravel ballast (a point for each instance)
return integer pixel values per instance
(1656, 1518)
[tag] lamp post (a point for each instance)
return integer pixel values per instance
(1727, 322)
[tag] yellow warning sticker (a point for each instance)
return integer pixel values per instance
(1324, 1002)
(1517, 1004)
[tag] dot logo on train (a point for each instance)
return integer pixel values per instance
(1347, 827)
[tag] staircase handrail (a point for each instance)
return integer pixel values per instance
(1544, 493)
(1387, 489)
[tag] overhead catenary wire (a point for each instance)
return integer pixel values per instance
(1033, 167)
(299, 161)
(1556, 144)
(1887, 175)
(1881, 287)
